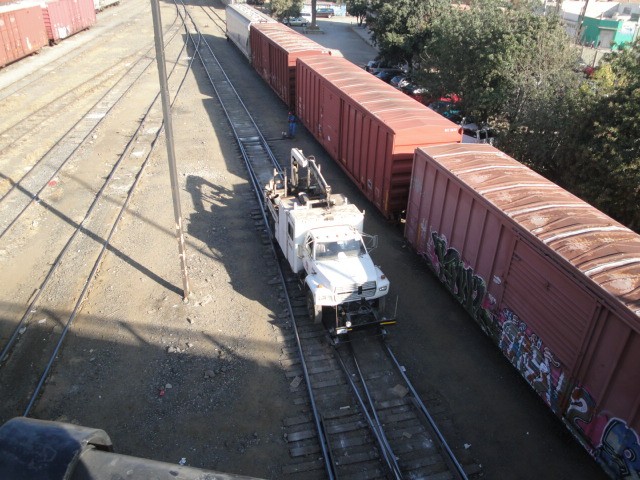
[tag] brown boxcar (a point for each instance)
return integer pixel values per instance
(63, 18)
(21, 31)
(554, 282)
(368, 127)
(274, 50)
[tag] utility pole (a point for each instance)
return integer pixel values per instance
(168, 131)
(583, 12)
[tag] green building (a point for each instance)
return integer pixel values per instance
(607, 33)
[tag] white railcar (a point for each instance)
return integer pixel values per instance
(240, 16)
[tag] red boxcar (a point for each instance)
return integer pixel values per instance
(63, 18)
(274, 50)
(554, 282)
(368, 127)
(21, 31)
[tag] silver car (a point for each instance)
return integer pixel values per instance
(295, 21)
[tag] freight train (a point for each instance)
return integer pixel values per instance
(552, 280)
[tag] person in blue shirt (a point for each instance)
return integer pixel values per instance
(292, 125)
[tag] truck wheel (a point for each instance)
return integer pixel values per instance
(315, 311)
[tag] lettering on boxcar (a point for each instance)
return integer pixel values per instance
(470, 289)
(535, 362)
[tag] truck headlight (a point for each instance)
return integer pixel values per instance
(383, 289)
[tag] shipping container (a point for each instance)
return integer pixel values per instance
(552, 280)
(275, 48)
(368, 127)
(239, 18)
(63, 18)
(22, 31)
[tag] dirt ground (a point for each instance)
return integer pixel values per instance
(201, 380)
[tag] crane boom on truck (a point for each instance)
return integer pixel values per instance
(320, 234)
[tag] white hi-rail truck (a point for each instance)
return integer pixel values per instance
(320, 234)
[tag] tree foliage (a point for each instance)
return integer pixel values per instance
(515, 67)
(400, 27)
(358, 9)
(604, 166)
(496, 56)
(286, 8)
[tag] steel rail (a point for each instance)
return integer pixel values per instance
(250, 139)
(102, 116)
(105, 244)
(25, 126)
(79, 228)
(63, 61)
(449, 455)
(35, 119)
(385, 442)
(374, 424)
(145, 53)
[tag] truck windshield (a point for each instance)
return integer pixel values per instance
(331, 250)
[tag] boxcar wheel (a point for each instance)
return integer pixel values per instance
(315, 311)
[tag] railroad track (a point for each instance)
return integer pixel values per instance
(20, 193)
(369, 425)
(48, 318)
(16, 142)
(70, 60)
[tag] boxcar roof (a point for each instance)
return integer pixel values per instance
(250, 13)
(288, 39)
(602, 250)
(401, 113)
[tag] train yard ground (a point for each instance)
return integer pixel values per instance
(205, 380)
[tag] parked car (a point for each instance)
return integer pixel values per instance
(387, 75)
(295, 21)
(376, 66)
(414, 91)
(399, 81)
(324, 13)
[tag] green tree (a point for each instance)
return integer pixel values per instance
(401, 27)
(358, 9)
(286, 8)
(512, 67)
(495, 56)
(604, 168)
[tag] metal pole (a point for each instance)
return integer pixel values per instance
(168, 130)
(579, 30)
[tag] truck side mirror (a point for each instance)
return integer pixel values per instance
(370, 241)
(300, 251)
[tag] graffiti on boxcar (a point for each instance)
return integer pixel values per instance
(619, 451)
(617, 446)
(580, 412)
(468, 288)
(535, 362)
(613, 444)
